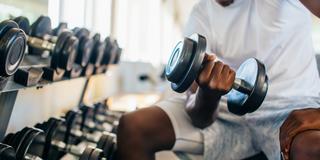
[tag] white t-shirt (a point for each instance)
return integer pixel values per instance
(277, 32)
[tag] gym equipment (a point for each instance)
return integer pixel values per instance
(23, 143)
(249, 88)
(23, 24)
(57, 141)
(63, 51)
(27, 76)
(83, 53)
(97, 54)
(109, 55)
(12, 49)
(7, 152)
(13, 42)
(30, 143)
(61, 27)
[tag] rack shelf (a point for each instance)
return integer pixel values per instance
(9, 93)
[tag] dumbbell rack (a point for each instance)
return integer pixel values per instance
(9, 93)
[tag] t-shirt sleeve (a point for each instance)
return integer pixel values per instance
(198, 22)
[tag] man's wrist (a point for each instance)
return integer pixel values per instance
(208, 95)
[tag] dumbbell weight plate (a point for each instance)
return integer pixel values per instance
(81, 32)
(86, 154)
(194, 66)
(253, 72)
(7, 152)
(61, 27)
(97, 53)
(62, 39)
(96, 154)
(27, 141)
(84, 50)
(41, 27)
(12, 47)
(105, 143)
(179, 60)
(68, 53)
(23, 23)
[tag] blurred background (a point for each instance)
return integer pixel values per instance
(147, 30)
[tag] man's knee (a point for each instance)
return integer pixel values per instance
(131, 128)
(306, 145)
(150, 128)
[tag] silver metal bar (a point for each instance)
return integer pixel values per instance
(242, 86)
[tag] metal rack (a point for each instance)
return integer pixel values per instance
(8, 94)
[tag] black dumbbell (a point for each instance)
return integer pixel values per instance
(82, 128)
(97, 53)
(117, 51)
(85, 46)
(56, 131)
(59, 29)
(30, 143)
(104, 117)
(63, 51)
(95, 118)
(23, 143)
(7, 152)
(249, 88)
(12, 47)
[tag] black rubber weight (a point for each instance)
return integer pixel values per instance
(12, 47)
(23, 23)
(63, 37)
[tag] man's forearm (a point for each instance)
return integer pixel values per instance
(204, 111)
(313, 6)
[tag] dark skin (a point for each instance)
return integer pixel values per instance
(215, 80)
(298, 122)
(144, 132)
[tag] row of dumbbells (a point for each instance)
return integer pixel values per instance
(71, 52)
(86, 134)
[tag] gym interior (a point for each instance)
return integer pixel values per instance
(72, 69)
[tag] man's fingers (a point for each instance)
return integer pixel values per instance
(206, 72)
(209, 57)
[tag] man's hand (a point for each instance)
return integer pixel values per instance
(298, 121)
(216, 78)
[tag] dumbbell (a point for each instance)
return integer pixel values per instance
(30, 143)
(248, 90)
(96, 119)
(85, 130)
(104, 117)
(12, 49)
(7, 152)
(63, 51)
(59, 29)
(81, 128)
(117, 51)
(108, 56)
(97, 54)
(57, 140)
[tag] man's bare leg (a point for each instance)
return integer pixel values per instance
(306, 145)
(144, 132)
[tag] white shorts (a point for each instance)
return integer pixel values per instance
(231, 136)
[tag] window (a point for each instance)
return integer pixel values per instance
(92, 14)
(146, 30)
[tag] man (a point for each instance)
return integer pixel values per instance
(277, 32)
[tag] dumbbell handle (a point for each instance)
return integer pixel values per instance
(40, 43)
(70, 148)
(242, 86)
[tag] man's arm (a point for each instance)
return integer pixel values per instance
(214, 80)
(313, 6)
